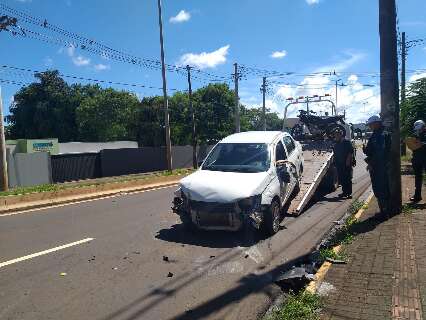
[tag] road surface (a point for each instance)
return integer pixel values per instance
(128, 257)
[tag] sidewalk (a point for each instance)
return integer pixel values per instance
(385, 276)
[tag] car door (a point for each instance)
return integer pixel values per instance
(280, 154)
(294, 157)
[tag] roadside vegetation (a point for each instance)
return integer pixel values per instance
(300, 306)
(94, 182)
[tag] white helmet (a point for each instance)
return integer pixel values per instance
(373, 119)
(419, 125)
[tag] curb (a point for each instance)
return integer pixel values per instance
(322, 271)
(14, 204)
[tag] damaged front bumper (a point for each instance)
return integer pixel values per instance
(219, 216)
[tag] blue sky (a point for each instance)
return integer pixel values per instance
(301, 36)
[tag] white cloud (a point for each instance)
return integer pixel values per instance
(353, 78)
(205, 59)
(48, 61)
(278, 54)
(78, 60)
(417, 76)
(311, 2)
(182, 16)
(102, 67)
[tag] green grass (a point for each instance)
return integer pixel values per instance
(94, 182)
(328, 253)
(301, 306)
(408, 208)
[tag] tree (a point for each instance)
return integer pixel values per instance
(414, 107)
(44, 109)
(105, 114)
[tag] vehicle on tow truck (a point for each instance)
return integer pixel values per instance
(247, 178)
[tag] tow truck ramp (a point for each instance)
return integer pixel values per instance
(318, 158)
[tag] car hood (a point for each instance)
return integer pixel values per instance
(218, 186)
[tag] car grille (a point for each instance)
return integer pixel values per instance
(213, 213)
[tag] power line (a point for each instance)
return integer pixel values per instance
(89, 79)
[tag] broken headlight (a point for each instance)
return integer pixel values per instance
(250, 204)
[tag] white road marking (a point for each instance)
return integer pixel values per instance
(37, 254)
(83, 201)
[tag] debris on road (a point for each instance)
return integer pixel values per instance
(169, 275)
(63, 274)
(166, 258)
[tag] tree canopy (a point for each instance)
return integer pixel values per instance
(52, 108)
(414, 107)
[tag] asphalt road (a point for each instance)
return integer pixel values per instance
(122, 272)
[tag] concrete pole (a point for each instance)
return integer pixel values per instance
(191, 109)
(166, 101)
(390, 96)
(403, 84)
(4, 185)
(237, 99)
(264, 103)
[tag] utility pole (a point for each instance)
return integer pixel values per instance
(191, 109)
(335, 111)
(307, 104)
(237, 99)
(3, 164)
(263, 89)
(403, 89)
(166, 101)
(390, 96)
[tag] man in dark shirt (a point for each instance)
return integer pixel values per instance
(377, 151)
(419, 159)
(343, 160)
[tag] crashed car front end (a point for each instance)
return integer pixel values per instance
(230, 216)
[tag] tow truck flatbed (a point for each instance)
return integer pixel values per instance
(318, 159)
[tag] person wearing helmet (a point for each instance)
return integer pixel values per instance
(419, 158)
(378, 150)
(343, 161)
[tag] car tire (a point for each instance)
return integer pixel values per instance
(188, 225)
(271, 223)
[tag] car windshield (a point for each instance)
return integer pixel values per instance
(238, 157)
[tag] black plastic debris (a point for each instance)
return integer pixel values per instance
(335, 261)
(166, 258)
(169, 275)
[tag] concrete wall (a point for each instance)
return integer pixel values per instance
(90, 147)
(29, 169)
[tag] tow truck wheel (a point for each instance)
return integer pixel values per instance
(272, 219)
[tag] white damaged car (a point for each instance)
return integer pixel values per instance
(246, 177)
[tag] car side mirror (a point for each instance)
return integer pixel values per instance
(284, 175)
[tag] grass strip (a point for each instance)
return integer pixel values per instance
(300, 306)
(95, 182)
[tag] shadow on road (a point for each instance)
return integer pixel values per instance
(211, 239)
(246, 286)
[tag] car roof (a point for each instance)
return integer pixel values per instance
(267, 137)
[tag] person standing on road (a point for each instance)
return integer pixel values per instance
(343, 160)
(419, 158)
(377, 151)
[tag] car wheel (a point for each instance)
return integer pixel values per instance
(272, 219)
(187, 222)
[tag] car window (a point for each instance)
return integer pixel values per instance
(280, 153)
(239, 157)
(289, 144)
